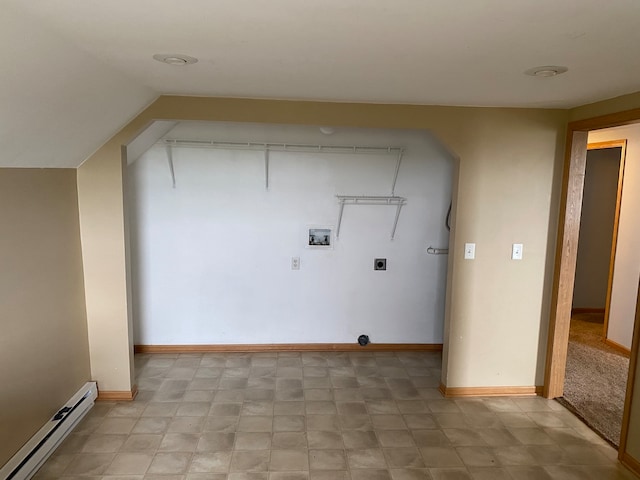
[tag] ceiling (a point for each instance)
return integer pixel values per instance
(80, 70)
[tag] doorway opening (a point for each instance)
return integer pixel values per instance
(578, 136)
(597, 368)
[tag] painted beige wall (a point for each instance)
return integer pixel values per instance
(508, 187)
(44, 356)
(606, 107)
(596, 228)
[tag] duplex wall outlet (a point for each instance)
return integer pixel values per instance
(469, 251)
(516, 251)
(379, 263)
(295, 263)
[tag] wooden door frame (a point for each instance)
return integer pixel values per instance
(565, 263)
(622, 144)
(567, 242)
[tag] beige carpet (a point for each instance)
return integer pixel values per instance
(596, 377)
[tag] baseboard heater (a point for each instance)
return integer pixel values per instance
(24, 464)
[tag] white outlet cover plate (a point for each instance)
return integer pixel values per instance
(516, 251)
(469, 251)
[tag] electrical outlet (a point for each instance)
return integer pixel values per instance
(295, 263)
(379, 263)
(516, 251)
(469, 251)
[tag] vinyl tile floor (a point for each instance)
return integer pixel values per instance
(322, 416)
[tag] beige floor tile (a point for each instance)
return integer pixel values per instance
(440, 457)
(370, 474)
(395, 438)
(322, 416)
(484, 473)
(323, 422)
(360, 439)
(212, 462)
(193, 409)
(216, 441)
(257, 407)
(464, 437)
(187, 424)
(289, 476)
(179, 442)
(284, 460)
(225, 409)
(419, 421)
(116, 425)
(129, 463)
(151, 425)
(142, 443)
(410, 406)
(329, 475)
(409, 474)
(372, 458)
(408, 457)
(253, 441)
(531, 436)
(450, 474)
(288, 408)
(99, 443)
(89, 464)
(388, 422)
(327, 460)
(170, 463)
(290, 440)
(255, 423)
(529, 473)
(55, 466)
(430, 438)
(477, 456)
(250, 461)
(324, 440)
(355, 422)
(289, 423)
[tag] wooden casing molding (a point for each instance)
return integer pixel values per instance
(626, 415)
(567, 242)
(290, 347)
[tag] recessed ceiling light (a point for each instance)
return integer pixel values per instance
(175, 59)
(546, 71)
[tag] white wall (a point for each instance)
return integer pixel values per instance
(627, 263)
(212, 258)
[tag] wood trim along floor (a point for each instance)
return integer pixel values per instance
(579, 310)
(630, 462)
(117, 395)
(620, 348)
(450, 392)
(291, 347)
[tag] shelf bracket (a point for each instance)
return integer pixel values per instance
(392, 200)
(266, 169)
(395, 175)
(170, 160)
(395, 222)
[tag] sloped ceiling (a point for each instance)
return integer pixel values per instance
(80, 69)
(59, 103)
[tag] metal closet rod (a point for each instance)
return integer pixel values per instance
(284, 147)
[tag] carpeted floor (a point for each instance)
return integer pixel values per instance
(596, 377)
